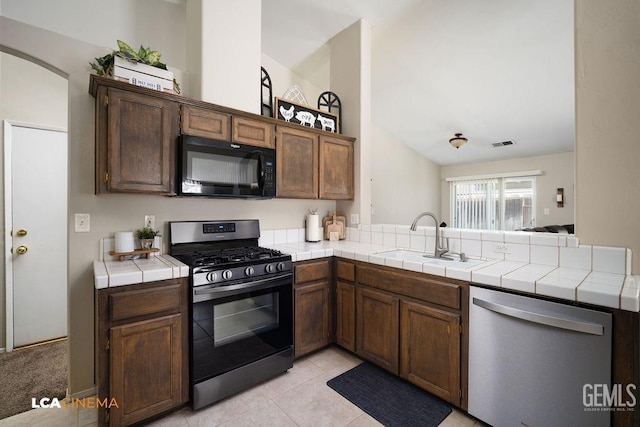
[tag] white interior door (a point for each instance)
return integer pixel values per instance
(36, 227)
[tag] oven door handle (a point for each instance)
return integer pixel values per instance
(257, 284)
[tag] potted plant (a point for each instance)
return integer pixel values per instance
(146, 236)
(105, 64)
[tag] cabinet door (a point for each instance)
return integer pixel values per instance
(336, 169)
(346, 315)
(296, 164)
(205, 123)
(142, 132)
(430, 353)
(311, 317)
(253, 132)
(377, 330)
(146, 368)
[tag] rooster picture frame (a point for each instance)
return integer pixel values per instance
(305, 116)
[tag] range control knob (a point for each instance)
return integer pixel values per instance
(211, 277)
(249, 271)
(281, 266)
(270, 268)
(227, 274)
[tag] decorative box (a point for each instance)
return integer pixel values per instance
(144, 75)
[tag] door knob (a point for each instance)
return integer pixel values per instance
(22, 232)
(21, 250)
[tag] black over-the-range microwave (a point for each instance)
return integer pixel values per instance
(214, 168)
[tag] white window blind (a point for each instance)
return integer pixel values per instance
(493, 203)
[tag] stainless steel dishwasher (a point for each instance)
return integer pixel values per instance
(529, 360)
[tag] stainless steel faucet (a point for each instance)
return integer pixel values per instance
(440, 248)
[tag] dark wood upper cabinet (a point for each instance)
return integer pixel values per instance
(296, 163)
(205, 123)
(253, 132)
(336, 168)
(312, 166)
(135, 142)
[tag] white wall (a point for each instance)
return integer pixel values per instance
(557, 172)
(351, 78)
(283, 78)
(152, 23)
(31, 94)
(607, 125)
(404, 184)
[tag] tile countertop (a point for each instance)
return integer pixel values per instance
(594, 287)
(574, 284)
(108, 271)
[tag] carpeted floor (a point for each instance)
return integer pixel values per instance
(37, 371)
(389, 399)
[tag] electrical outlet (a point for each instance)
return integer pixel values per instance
(150, 221)
(82, 223)
(355, 219)
(546, 211)
(501, 248)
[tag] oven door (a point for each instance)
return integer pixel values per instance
(238, 324)
(221, 169)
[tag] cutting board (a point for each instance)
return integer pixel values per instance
(327, 220)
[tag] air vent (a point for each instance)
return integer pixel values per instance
(502, 144)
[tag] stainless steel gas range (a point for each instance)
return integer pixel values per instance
(242, 307)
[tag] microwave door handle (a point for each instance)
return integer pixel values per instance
(261, 178)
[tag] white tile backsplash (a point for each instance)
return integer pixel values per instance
(517, 252)
(609, 260)
(418, 243)
(543, 239)
(488, 249)
(266, 238)
(516, 237)
(403, 241)
(471, 234)
(292, 235)
(546, 255)
(579, 257)
(389, 239)
(279, 237)
(365, 236)
(377, 238)
(493, 236)
(471, 247)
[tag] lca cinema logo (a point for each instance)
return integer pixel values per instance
(85, 402)
(602, 397)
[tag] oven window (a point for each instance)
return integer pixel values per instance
(222, 169)
(237, 330)
(237, 320)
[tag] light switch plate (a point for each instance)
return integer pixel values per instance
(355, 219)
(82, 223)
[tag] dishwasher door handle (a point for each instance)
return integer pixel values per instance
(543, 319)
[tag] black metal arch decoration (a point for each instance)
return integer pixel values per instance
(266, 108)
(331, 101)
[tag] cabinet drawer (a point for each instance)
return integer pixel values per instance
(346, 271)
(205, 123)
(313, 271)
(429, 289)
(253, 132)
(126, 305)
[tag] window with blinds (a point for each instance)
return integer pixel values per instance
(493, 203)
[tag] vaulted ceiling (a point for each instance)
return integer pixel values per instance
(493, 70)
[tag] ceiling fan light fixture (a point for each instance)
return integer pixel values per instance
(458, 141)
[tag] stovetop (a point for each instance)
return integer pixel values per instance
(230, 256)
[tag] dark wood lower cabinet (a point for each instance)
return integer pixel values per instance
(377, 327)
(312, 302)
(311, 317)
(146, 364)
(346, 315)
(430, 349)
(142, 350)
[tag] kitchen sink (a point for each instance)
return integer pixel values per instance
(427, 258)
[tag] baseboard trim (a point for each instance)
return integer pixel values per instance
(2, 350)
(84, 393)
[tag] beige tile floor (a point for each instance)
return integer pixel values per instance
(298, 398)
